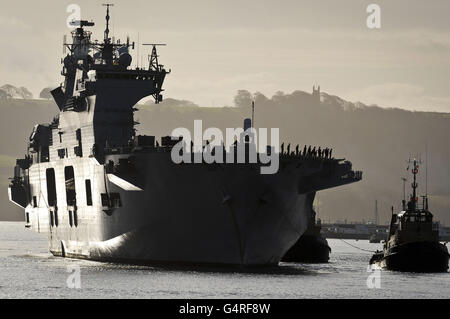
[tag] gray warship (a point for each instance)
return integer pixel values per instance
(101, 192)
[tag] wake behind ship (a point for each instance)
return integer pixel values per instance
(101, 192)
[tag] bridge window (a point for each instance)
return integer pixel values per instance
(78, 149)
(111, 200)
(51, 186)
(88, 192)
(78, 134)
(75, 218)
(69, 177)
(56, 218)
(105, 200)
(45, 154)
(61, 153)
(115, 200)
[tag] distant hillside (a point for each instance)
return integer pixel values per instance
(376, 140)
(11, 92)
(173, 103)
(16, 123)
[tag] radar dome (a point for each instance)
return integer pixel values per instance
(125, 60)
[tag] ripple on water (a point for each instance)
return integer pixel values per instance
(30, 271)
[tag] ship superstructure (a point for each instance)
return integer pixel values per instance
(102, 192)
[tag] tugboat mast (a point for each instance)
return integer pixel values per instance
(404, 193)
(414, 185)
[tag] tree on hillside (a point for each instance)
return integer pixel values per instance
(243, 98)
(13, 92)
(279, 97)
(260, 99)
(45, 93)
(25, 93)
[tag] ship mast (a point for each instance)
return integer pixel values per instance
(107, 50)
(253, 113)
(414, 185)
(107, 5)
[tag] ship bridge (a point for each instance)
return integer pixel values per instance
(100, 91)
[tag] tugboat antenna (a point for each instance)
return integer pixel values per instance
(404, 179)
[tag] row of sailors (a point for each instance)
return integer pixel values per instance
(326, 153)
(308, 151)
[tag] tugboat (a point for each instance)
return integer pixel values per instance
(312, 247)
(413, 245)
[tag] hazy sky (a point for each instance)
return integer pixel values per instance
(216, 47)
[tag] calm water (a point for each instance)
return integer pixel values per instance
(27, 270)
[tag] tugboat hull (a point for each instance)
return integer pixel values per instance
(414, 257)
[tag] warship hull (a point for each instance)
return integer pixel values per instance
(228, 214)
(102, 192)
(414, 257)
